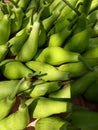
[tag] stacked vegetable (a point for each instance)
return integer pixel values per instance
(48, 57)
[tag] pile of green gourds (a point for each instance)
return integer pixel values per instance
(48, 57)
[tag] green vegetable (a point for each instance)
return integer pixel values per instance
(57, 39)
(80, 85)
(91, 53)
(17, 41)
(45, 88)
(17, 120)
(51, 73)
(8, 102)
(23, 4)
(16, 19)
(4, 49)
(57, 56)
(62, 94)
(30, 47)
(79, 45)
(53, 123)
(38, 107)
(7, 87)
(15, 70)
(84, 119)
(78, 69)
(5, 29)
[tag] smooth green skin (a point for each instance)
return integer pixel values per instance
(8, 102)
(91, 53)
(30, 47)
(15, 70)
(84, 119)
(62, 94)
(42, 37)
(57, 39)
(51, 73)
(81, 23)
(51, 123)
(16, 22)
(93, 43)
(91, 93)
(23, 4)
(79, 86)
(44, 88)
(5, 29)
(17, 121)
(8, 86)
(57, 55)
(38, 107)
(18, 40)
(80, 44)
(94, 5)
(3, 51)
(48, 22)
(78, 69)
(6, 105)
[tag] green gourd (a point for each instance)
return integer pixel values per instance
(53, 123)
(84, 119)
(8, 102)
(5, 29)
(23, 4)
(17, 41)
(57, 39)
(15, 70)
(94, 6)
(58, 55)
(80, 85)
(45, 88)
(62, 94)
(78, 69)
(42, 37)
(16, 19)
(30, 47)
(91, 53)
(4, 49)
(48, 22)
(51, 73)
(38, 107)
(7, 87)
(79, 45)
(17, 120)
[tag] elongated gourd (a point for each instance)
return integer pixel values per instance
(38, 107)
(15, 70)
(50, 73)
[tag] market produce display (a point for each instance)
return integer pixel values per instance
(48, 57)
